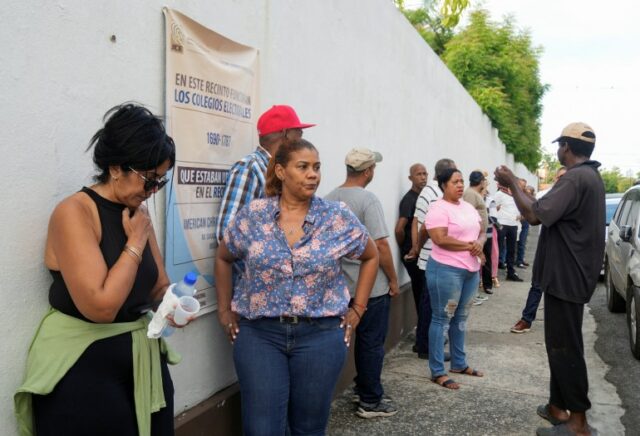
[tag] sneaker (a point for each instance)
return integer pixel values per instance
(355, 398)
(502, 265)
(521, 265)
(482, 297)
(496, 282)
(488, 291)
(514, 278)
(477, 302)
(381, 409)
(521, 327)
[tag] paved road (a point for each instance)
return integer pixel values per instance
(612, 345)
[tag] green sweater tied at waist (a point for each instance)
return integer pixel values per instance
(60, 341)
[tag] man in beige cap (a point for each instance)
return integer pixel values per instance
(372, 330)
(567, 265)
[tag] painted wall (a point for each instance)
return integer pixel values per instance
(355, 68)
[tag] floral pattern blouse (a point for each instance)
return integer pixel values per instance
(303, 280)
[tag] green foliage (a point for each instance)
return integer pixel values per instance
(615, 181)
(550, 165)
(498, 66)
(436, 29)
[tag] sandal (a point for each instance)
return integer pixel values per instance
(467, 371)
(544, 413)
(446, 383)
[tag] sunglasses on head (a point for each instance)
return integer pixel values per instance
(151, 184)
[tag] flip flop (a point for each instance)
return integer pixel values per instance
(446, 383)
(543, 412)
(473, 373)
(561, 430)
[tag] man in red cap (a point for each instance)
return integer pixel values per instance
(247, 176)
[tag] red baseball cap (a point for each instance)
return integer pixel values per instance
(279, 117)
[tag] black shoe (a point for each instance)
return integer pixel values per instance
(502, 265)
(488, 291)
(514, 278)
(447, 356)
(521, 265)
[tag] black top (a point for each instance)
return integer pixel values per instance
(407, 209)
(112, 243)
(571, 245)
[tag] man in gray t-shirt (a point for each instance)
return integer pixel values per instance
(372, 330)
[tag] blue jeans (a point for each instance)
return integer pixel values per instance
(369, 349)
(533, 301)
(522, 242)
(287, 374)
(451, 290)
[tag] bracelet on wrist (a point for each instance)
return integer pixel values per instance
(354, 304)
(356, 312)
(133, 253)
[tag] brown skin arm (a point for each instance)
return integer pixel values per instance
(222, 270)
(386, 263)
(366, 279)
(399, 230)
(73, 248)
(524, 202)
(440, 237)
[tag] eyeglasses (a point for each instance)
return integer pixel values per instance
(149, 184)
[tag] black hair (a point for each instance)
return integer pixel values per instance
(132, 137)
(442, 165)
(476, 178)
(273, 185)
(577, 146)
(445, 176)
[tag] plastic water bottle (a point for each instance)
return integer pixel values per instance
(185, 287)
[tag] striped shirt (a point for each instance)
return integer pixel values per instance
(246, 181)
(429, 194)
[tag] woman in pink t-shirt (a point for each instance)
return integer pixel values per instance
(452, 275)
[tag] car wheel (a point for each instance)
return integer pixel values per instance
(633, 313)
(615, 302)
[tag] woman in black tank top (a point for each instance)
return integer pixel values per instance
(107, 268)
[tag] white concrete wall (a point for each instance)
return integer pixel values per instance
(356, 68)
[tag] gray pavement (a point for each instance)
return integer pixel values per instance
(501, 403)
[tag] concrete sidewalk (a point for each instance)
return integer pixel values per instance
(504, 401)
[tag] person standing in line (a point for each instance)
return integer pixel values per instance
(418, 177)
(524, 232)
(289, 317)
(452, 275)
(246, 178)
(473, 196)
(422, 245)
(535, 294)
(107, 272)
(372, 330)
(567, 265)
(508, 217)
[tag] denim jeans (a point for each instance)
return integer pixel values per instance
(522, 242)
(369, 349)
(424, 319)
(287, 374)
(508, 236)
(423, 308)
(533, 301)
(451, 290)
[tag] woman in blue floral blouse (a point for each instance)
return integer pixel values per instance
(290, 317)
